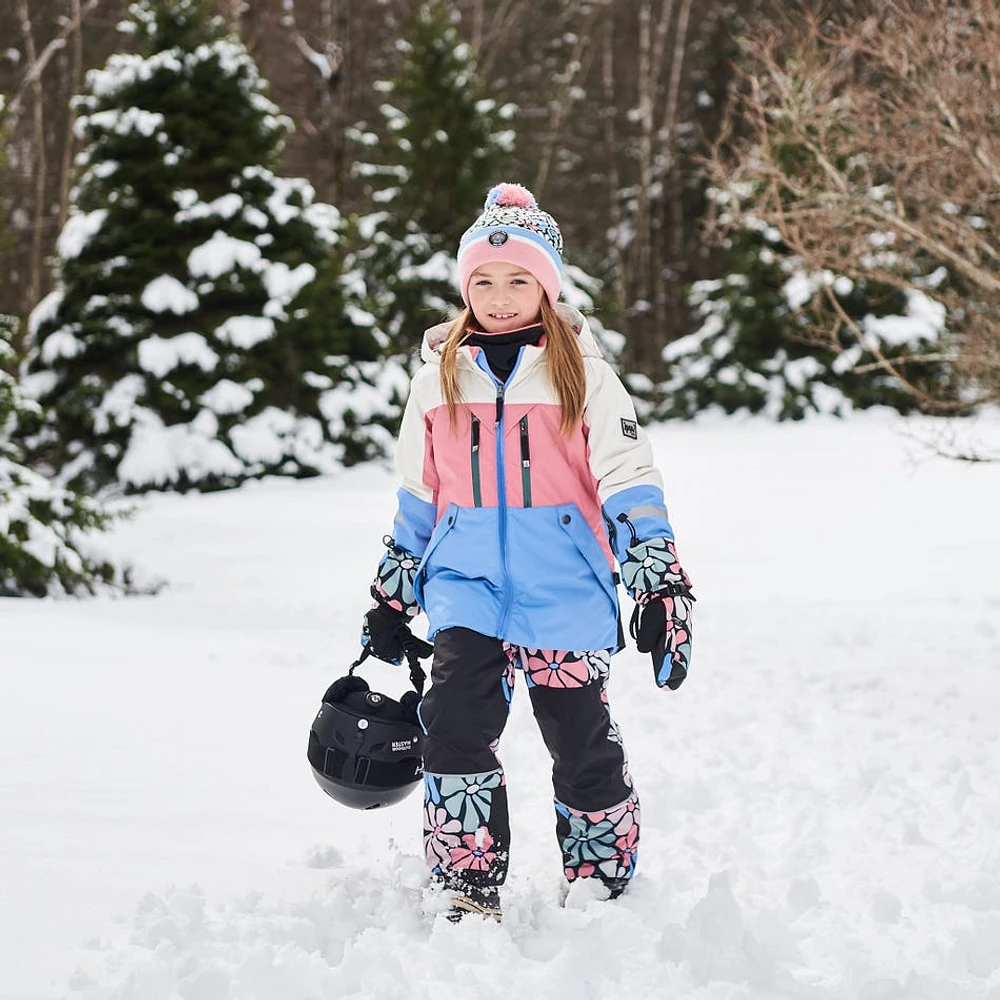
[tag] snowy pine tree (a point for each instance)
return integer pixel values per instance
(757, 349)
(202, 331)
(44, 529)
(441, 145)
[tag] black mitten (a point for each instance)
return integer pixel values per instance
(389, 638)
(385, 632)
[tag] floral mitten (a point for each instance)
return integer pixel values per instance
(661, 623)
(661, 626)
(386, 631)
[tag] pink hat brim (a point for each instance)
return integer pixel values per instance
(517, 250)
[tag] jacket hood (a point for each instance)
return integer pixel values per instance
(430, 350)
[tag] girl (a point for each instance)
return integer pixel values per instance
(525, 476)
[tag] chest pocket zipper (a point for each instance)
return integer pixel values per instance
(477, 493)
(525, 462)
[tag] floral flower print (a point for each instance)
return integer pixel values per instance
(586, 870)
(588, 841)
(507, 680)
(394, 582)
(468, 797)
(598, 664)
(556, 669)
(628, 847)
(442, 834)
(625, 815)
(474, 853)
(678, 639)
(650, 566)
(614, 733)
(604, 843)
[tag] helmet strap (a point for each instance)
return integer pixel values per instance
(418, 677)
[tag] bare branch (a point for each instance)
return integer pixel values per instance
(574, 68)
(37, 64)
(870, 148)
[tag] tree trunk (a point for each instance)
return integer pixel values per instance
(40, 160)
(672, 186)
(617, 276)
(74, 80)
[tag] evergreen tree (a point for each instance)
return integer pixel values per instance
(203, 330)
(44, 529)
(442, 144)
(754, 351)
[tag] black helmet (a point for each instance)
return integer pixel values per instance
(365, 747)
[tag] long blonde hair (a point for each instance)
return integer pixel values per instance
(564, 362)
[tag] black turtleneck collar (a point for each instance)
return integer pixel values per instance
(502, 349)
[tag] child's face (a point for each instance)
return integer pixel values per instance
(504, 297)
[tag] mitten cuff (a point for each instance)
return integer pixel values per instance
(393, 584)
(651, 568)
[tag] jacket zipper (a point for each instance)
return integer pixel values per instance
(508, 596)
(525, 462)
(477, 494)
(502, 510)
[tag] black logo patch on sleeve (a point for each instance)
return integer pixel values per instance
(629, 429)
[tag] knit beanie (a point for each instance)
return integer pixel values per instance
(512, 228)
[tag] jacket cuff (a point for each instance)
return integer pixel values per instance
(635, 515)
(414, 522)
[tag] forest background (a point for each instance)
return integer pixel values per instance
(778, 207)
(615, 102)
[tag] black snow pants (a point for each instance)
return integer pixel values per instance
(466, 824)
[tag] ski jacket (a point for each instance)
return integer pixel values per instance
(507, 526)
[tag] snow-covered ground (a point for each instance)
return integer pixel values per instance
(820, 800)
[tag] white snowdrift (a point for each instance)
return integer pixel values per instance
(820, 800)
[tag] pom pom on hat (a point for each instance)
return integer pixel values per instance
(510, 196)
(513, 228)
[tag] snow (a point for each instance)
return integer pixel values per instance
(159, 455)
(45, 312)
(119, 403)
(286, 189)
(61, 343)
(227, 396)
(122, 121)
(245, 331)
(925, 321)
(80, 229)
(283, 283)
(221, 254)
(167, 294)
(260, 439)
(161, 355)
(820, 801)
(224, 207)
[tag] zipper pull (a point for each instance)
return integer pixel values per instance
(499, 403)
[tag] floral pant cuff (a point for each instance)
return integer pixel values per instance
(602, 844)
(466, 827)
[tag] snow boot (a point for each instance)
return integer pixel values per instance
(582, 892)
(465, 898)
(615, 886)
(471, 899)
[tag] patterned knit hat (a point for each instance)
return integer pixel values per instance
(514, 229)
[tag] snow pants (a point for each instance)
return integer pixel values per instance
(466, 825)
